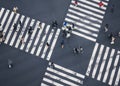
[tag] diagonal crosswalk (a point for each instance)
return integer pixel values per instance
(104, 65)
(61, 76)
(34, 43)
(87, 17)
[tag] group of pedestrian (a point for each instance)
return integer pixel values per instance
(78, 50)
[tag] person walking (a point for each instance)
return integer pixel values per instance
(112, 8)
(22, 40)
(15, 26)
(106, 27)
(1, 37)
(62, 44)
(76, 3)
(15, 9)
(40, 25)
(52, 65)
(10, 63)
(47, 44)
(30, 30)
(100, 4)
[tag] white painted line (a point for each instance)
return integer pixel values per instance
(69, 71)
(43, 40)
(1, 12)
(85, 16)
(37, 39)
(92, 59)
(65, 75)
(84, 36)
(52, 82)
(43, 84)
(97, 61)
(90, 7)
(60, 79)
(22, 32)
(86, 31)
(108, 65)
(18, 28)
(86, 11)
(32, 37)
(49, 40)
(27, 35)
(5, 16)
(103, 63)
(8, 22)
(83, 20)
(53, 44)
(11, 29)
(81, 24)
(114, 69)
(117, 78)
(92, 4)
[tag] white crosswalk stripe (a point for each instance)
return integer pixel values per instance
(11, 29)
(102, 61)
(62, 76)
(1, 12)
(34, 43)
(87, 17)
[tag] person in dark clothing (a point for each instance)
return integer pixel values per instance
(10, 63)
(54, 24)
(106, 27)
(20, 23)
(30, 30)
(52, 65)
(47, 44)
(62, 43)
(15, 26)
(112, 8)
(75, 50)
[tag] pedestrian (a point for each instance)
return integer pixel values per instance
(75, 50)
(73, 25)
(15, 26)
(106, 27)
(22, 40)
(10, 63)
(62, 43)
(15, 9)
(64, 33)
(0, 27)
(1, 37)
(54, 24)
(52, 65)
(110, 35)
(47, 44)
(64, 23)
(118, 34)
(76, 2)
(100, 4)
(20, 23)
(81, 49)
(68, 35)
(30, 30)
(40, 25)
(112, 40)
(112, 8)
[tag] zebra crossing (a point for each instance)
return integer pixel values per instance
(61, 76)
(87, 17)
(34, 43)
(104, 65)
